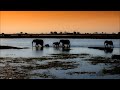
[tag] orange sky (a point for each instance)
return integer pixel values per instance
(46, 21)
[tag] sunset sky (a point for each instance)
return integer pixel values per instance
(69, 21)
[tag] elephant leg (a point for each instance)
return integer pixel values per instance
(62, 45)
(41, 48)
(105, 45)
(69, 45)
(35, 45)
(39, 45)
(110, 46)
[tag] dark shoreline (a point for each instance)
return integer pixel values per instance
(27, 68)
(82, 36)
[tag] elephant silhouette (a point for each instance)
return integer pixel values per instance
(56, 44)
(108, 44)
(38, 42)
(65, 43)
(47, 45)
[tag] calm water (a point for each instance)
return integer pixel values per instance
(78, 46)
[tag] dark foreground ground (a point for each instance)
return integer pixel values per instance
(60, 66)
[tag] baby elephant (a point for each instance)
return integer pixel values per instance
(47, 45)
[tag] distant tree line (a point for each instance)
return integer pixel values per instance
(64, 33)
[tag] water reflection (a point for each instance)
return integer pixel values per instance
(57, 48)
(108, 50)
(66, 49)
(62, 49)
(37, 52)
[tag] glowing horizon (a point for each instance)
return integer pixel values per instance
(60, 21)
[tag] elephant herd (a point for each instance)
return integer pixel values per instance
(65, 43)
(40, 42)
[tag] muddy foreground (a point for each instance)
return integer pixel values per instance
(60, 66)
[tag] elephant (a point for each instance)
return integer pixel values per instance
(38, 42)
(106, 43)
(56, 44)
(47, 45)
(65, 42)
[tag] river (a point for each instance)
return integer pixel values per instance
(78, 46)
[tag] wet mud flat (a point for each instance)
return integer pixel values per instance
(59, 66)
